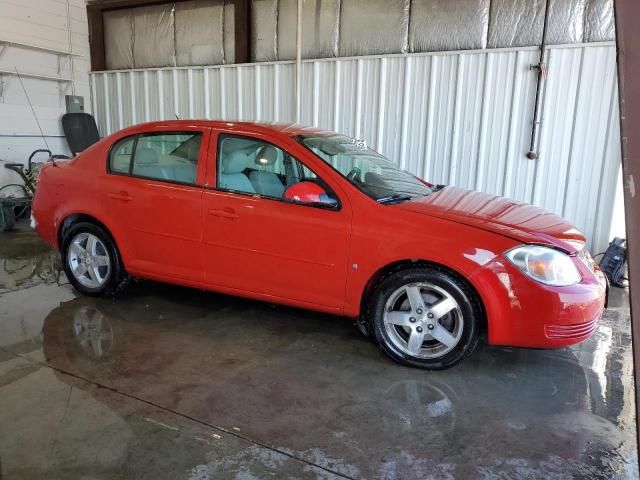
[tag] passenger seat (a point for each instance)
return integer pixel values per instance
(231, 176)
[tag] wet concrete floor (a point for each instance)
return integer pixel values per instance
(169, 382)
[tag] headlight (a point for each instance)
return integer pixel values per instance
(545, 265)
(588, 260)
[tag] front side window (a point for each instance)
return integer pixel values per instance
(370, 172)
(249, 165)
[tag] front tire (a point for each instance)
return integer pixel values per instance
(91, 260)
(426, 318)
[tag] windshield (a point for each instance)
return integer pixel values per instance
(370, 172)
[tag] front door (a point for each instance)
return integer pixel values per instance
(154, 192)
(258, 238)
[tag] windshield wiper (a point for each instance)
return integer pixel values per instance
(396, 198)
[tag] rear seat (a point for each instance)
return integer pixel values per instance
(182, 173)
(148, 164)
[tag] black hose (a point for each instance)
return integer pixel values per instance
(532, 154)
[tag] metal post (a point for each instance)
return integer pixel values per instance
(299, 63)
(628, 42)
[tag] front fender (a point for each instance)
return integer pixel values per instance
(460, 248)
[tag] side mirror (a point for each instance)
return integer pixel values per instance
(310, 193)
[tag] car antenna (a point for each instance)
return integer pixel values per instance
(26, 94)
(177, 117)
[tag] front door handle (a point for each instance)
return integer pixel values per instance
(122, 196)
(226, 213)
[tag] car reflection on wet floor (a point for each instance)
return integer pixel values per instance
(172, 382)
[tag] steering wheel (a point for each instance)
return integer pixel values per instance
(355, 175)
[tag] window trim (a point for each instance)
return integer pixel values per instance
(136, 136)
(222, 135)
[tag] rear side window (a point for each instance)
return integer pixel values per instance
(172, 157)
(120, 156)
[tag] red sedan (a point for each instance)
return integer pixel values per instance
(314, 219)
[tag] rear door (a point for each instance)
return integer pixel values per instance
(257, 241)
(154, 188)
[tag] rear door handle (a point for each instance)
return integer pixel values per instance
(226, 213)
(122, 196)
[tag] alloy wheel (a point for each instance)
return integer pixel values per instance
(423, 320)
(89, 260)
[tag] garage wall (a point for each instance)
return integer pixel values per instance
(460, 118)
(35, 37)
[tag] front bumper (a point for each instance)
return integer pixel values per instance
(522, 312)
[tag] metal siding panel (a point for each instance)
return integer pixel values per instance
(461, 118)
(197, 98)
(520, 171)
(112, 106)
(556, 134)
(596, 88)
(99, 97)
(229, 86)
(420, 85)
(609, 177)
(444, 81)
(498, 101)
(247, 92)
(136, 82)
(308, 94)
(470, 87)
(325, 94)
(391, 115)
(370, 90)
(215, 92)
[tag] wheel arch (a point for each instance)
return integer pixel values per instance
(75, 218)
(378, 277)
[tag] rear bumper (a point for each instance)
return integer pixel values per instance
(524, 313)
(42, 217)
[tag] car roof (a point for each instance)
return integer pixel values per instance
(288, 129)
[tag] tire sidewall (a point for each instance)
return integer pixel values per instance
(8, 219)
(453, 286)
(115, 274)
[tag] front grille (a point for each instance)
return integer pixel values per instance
(571, 331)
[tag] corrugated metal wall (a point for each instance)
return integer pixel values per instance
(461, 118)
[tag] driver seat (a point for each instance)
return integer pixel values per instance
(231, 174)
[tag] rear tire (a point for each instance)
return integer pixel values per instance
(426, 318)
(7, 218)
(91, 260)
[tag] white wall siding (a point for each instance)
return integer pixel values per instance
(43, 24)
(461, 118)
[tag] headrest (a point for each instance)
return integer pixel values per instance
(267, 155)
(146, 156)
(234, 162)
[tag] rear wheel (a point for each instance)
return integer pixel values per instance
(91, 260)
(426, 318)
(7, 218)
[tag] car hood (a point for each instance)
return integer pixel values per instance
(510, 218)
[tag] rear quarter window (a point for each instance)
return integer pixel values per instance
(120, 156)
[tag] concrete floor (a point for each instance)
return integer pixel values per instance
(167, 382)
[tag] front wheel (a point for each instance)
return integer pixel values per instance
(91, 260)
(426, 318)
